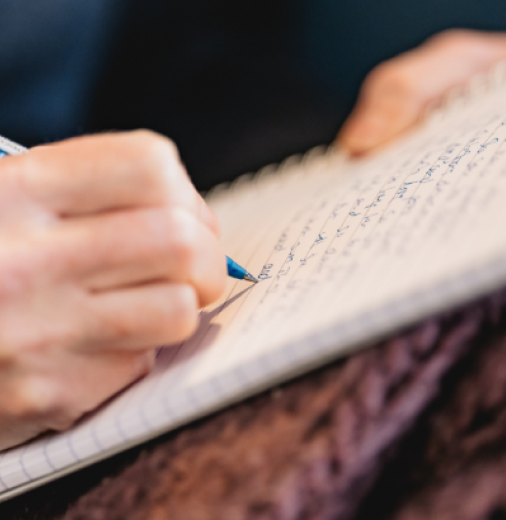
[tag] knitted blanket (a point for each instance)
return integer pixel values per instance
(411, 428)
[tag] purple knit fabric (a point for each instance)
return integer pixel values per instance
(412, 428)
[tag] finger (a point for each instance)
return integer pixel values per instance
(121, 249)
(105, 172)
(396, 94)
(93, 380)
(208, 217)
(141, 317)
(55, 399)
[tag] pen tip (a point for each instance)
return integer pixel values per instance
(249, 278)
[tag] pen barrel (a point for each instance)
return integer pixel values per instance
(235, 270)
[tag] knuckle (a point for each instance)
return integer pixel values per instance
(38, 400)
(159, 156)
(182, 241)
(391, 78)
(183, 319)
(34, 398)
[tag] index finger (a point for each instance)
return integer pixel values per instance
(105, 172)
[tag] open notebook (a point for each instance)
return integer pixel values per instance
(346, 253)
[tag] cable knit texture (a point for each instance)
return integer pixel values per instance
(411, 428)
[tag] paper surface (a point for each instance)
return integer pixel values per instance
(346, 252)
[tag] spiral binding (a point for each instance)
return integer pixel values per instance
(478, 86)
(272, 170)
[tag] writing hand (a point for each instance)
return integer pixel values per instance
(395, 95)
(106, 251)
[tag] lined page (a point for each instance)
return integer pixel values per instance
(346, 251)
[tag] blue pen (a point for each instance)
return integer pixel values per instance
(8, 147)
(236, 271)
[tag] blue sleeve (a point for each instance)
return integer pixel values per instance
(51, 53)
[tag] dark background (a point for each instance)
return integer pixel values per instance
(237, 84)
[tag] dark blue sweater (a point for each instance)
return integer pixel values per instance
(51, 52)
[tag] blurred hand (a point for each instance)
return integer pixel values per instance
(106, 251)
(396, 93)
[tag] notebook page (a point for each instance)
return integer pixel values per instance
(346, 252)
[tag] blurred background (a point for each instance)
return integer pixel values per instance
(236, 84)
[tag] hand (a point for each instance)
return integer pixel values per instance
(396, 93)
(106, 251)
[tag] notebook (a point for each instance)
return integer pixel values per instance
(347, 251)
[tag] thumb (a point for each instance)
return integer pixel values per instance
(396, 93)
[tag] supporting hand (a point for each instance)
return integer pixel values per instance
(396, 93)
